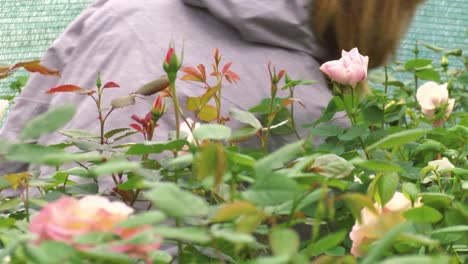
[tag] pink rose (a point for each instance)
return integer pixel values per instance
(374, 226)
(432, 97)
(349, 70)
(67, 218)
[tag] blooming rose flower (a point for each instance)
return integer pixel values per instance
(67, 218)
(432, 97)
(3, 108)
(374, 226)
(442, 164)
(349, 70)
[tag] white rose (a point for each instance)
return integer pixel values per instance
(432, 97)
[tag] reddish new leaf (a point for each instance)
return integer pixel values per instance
(137, 128)
(111, 85)
(67, 88)
(192, 75)
(226, 67)
(35, 66)
(231, 77)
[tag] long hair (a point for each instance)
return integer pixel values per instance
(374, 26)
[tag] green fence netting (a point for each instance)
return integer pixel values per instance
(27, 27)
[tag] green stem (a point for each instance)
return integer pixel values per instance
(175, 102)
(293, 122)
(385, 98)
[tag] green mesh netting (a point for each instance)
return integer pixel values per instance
(27, 27)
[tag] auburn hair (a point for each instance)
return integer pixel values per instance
(375, 27)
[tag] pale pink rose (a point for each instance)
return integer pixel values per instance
(432, 97)
(3, 108)
(374, 226)
(68, 218)
(351, 69)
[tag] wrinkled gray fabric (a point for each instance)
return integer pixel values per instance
(127, 40)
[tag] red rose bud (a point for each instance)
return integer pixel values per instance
(172, 64)
(158, 109)
(169, 54)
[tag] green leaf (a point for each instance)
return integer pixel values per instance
(48, 122)
(399, 139)
(176, 202)
(193, 104)
(147, 218)
(208, 113)
(284, 242)
(372, 115)
(82, 189)
(326, 243)
(387, 185)
(114, 166)
(211, 162)
(417, 63)
(451, 229)
(231, 235)
(78, 133)
(57, 252)
(114, 132)
(327, 130)
(353, 133)
(190, 234)
(272, 190)
(241, 159)
(417, 260)
(156, 147)
(231, 211)
(106, 256)
(423, 214)
(437, 200)
(377, 165)
(278, 158)
(244, 134)
(428, 74)
(212, 131)
(245, 117)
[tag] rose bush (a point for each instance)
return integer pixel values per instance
(389, 188)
